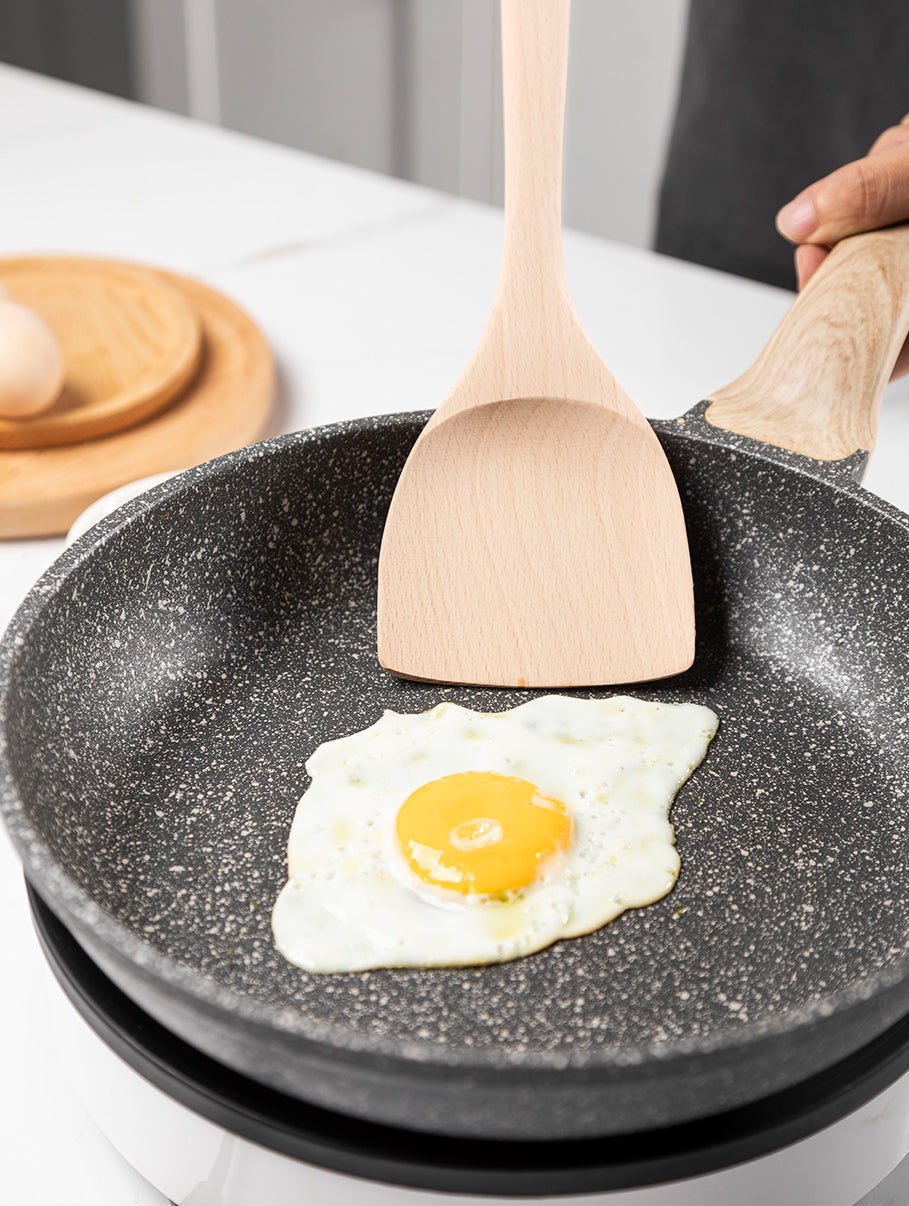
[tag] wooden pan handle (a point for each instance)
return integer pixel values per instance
(816, 388)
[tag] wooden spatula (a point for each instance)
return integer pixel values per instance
(535, 538)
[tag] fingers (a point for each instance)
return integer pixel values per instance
(864, 195)
(808, 258)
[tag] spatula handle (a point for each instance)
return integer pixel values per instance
(533, 345)
(816, 388)
(534, 78)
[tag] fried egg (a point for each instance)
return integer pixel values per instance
(454, 837)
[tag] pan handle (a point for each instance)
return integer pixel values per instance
(816, 387)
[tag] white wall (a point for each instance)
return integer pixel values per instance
(412, 88)
(622, 79)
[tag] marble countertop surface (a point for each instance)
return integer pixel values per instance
(372, 293)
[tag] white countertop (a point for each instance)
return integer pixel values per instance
(372, 294)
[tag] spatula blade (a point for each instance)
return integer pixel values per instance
(536, 543)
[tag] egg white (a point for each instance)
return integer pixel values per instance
(351, 902)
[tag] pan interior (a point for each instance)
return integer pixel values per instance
(167, 695)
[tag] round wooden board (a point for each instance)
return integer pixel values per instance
(43, 490)
(130, 341)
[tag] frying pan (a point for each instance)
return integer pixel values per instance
(163, 684)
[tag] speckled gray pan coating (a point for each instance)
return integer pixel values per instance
(164, 684)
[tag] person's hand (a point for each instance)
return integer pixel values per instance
(863, 195)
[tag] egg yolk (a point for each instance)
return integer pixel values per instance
(481, 832)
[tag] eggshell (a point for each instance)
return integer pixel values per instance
(31, 363)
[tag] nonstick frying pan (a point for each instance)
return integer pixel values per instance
(163, 684)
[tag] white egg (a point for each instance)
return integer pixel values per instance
(31, 363)
(454, 837)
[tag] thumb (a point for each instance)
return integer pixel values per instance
(863, 195)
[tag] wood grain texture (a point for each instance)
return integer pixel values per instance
(131, 343)
(816, 388)
(43, 490)
(536, 536)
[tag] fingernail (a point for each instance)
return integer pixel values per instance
(797, 220)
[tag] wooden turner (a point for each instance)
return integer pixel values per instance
(535, 538)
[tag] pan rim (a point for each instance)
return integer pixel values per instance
(79, 909)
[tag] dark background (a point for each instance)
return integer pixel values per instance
(84, 41)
